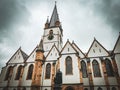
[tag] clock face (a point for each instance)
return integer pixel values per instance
(50, 36)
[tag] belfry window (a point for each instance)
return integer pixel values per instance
(84, 69)
(48, 71)
(69, 65)
(18, 73)
(30, 71)
(9, 73)
(96, 69)
(109, 68)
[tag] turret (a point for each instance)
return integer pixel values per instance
(40, 51)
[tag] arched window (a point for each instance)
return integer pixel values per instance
(69, 88)
(109, 68)
(69, 65)
(96, 69)
(114, 88)
(84, 69)
(30, 71)
(9, 73)
(99, 88)
(18, 73)
(48, 71)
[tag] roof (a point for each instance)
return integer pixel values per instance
(25, 56)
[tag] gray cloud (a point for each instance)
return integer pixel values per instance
(12, 14)
(108, 9)
(20, 24)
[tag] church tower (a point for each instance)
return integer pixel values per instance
(53, 32)
(36, 79)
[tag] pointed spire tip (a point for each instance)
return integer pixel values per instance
(55, 2)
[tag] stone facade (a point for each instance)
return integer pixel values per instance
(98, 69)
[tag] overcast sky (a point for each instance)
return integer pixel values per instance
(22, 23)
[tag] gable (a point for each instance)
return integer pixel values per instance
(18, 57)
(32, 56)
(81, 54)
(117, 46)
(97, 50)
(68, 48)
(53, 54)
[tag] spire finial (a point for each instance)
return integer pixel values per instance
(55, 2)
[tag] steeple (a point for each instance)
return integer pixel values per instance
(54, 21)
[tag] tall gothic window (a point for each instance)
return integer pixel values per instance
(69, 88)
(84, 69)
(96, 69)
(109, 68)
(85, 88)
(114, 88)
(18, 73)
(9, 73)
(99, 88)
(30, 71)
(69, 65)
(48, 71)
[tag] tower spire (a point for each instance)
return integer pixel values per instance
(40, 46)
(54, 21)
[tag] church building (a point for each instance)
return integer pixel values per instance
(54, 66)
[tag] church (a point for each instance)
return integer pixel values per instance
(54, 66)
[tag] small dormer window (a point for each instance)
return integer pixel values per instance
(99, 50)
(68, 49)
(95, 45)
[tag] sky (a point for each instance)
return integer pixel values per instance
(22, 23)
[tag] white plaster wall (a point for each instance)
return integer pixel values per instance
(53, 55)
(32, 56)
(70, 79)
(53, 40)
(48, 46)
(65, 49)
(97, 52)
(117, 58)
(55, 31)
(26, 82)
(85, 81)
(80, 53)
(112, 80)
(97, 80)
(17, 58)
